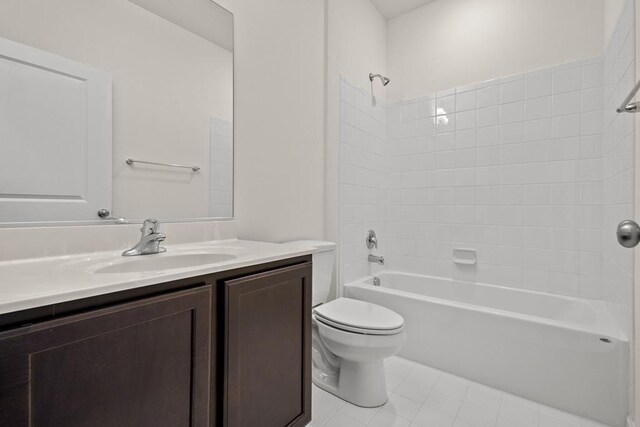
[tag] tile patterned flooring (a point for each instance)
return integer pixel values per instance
(421, 396)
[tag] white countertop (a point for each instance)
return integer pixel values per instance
(37, 282)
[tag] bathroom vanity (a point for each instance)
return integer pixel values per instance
(225, 344)
(213, 332)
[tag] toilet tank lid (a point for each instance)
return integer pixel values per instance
(320, 245)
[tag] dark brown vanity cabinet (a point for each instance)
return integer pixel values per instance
(226, 349)
(267, 341)
(144, 363)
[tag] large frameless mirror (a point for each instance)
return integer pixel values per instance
(117, 109)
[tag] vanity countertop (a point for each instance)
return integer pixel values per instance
(37, 282)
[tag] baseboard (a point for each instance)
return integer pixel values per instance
(630, 422)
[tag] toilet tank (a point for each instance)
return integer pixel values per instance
(322, 267)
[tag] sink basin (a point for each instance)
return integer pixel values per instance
(163, 262)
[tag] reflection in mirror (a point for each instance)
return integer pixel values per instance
(88, 84)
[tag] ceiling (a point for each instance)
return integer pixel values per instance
(392, 8)
(204, 18)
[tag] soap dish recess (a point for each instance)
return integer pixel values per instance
(465, 256)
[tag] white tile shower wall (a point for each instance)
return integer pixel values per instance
(509, 167)
(221, 168)
(618, 162)
(362, 139)
(533, 171)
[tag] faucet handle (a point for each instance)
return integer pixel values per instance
(150, 226)
(372, 240)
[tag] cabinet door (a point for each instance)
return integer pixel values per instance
(144, 363)
(268, 355)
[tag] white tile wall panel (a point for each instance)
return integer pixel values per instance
(533, 171)
(221, 168)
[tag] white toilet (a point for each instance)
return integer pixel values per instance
(351, 338)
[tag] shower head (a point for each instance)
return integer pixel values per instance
(385, 80)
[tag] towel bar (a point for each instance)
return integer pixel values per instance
(171, 165)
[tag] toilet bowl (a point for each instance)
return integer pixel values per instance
(361, 335)
(351, 338)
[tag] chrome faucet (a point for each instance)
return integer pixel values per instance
(376, 259)
(149, 241)
(372, 242)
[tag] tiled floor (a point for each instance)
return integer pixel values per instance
(421, 396)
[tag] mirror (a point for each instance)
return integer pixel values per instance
(123, 107)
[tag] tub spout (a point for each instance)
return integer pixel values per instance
(376, 259)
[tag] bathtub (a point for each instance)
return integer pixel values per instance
(564, 352)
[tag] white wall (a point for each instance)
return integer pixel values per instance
(619, 166)
(635, 413)
(356, 45)
(279, 118)
(451, 43)
(357, 37)
(617, 152)
(612, 11)
(151, 121)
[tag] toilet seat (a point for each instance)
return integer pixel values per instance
(360, 317)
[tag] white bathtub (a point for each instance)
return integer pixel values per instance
(564, 352)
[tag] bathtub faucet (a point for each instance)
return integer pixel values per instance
(376, 259)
